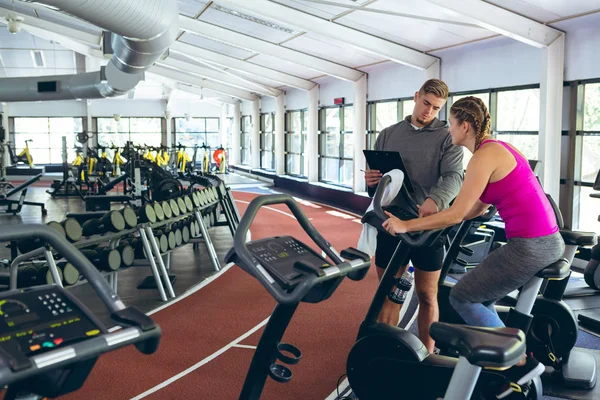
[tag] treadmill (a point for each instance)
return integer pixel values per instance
(49, 341)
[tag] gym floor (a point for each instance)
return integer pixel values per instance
(211, 329)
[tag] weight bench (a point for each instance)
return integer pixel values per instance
(102, 202)
(22, 188)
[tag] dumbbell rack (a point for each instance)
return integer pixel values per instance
(207, 198)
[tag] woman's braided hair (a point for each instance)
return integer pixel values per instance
(473, 110)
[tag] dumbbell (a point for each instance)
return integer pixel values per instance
(171, 239)
(130, 217)
(146, 214)
(189, 204)
(30, 244)
(70, 274)
(174, 207)
(127, 254)
(196, 199)
(105, 259)
(73, 230)
(112, 221)
(167, 210)
(182, 206)
(44, 276)
(162, 240)
(185, 234)
(26, 275)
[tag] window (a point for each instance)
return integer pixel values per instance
(589, 207)
(198, 131)
(246, 134)
(295, 142)
(139, 131)
(46, 137)
(518, 119)
(336, 145)
(267, 141)
(385, 114)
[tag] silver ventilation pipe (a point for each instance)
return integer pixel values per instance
(142, 30)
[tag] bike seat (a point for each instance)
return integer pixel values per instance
(579, 238)
(485, 347)
(558, 270)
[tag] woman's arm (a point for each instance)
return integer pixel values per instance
(477, 176)
(478, 209)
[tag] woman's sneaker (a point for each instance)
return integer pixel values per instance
(519, 375)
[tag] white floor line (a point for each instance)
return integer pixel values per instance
(201, 363)
(244, 346)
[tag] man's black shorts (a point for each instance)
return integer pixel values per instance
(426, 259)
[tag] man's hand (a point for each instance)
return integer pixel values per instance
(427, 208)
(372, 176)
(394, 225)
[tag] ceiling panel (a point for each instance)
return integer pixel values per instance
(332, 49)
(19, 63)
(284, 66)
(191, 8)
(214, 45)
(68, 21)
(321, 10)
(257, 79)
(548, 10)
(248, 23)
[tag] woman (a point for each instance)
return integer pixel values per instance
(497, 174)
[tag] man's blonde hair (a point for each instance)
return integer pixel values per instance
(436, 87)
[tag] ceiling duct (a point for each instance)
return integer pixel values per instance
(142, 30)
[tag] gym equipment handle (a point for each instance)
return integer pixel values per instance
(489, 214)
(341, 267)
(423, 239)
(71, 254)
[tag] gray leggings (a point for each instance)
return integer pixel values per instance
(508, 268)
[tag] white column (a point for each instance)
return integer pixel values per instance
(312, 137)
(359, 134)
(93, 141)
(280, 136)
(6, 159)
(168, 140)
(551, 94)
(224, 136)
(255, 142)
(433, 72)
(236, 136)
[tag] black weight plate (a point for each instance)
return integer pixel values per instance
(166, 189)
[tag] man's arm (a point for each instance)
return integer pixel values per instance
(451, 171)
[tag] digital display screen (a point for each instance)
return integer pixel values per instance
(14, 322)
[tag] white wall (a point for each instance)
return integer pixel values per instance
(391, 80)
(268, 104)
(330, 88)
(296, 99)
(127, 108)
(196, 108)
(492, 63)
(582, 59)
(64, 108)
(246, 107)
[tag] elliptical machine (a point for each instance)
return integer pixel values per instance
(384, 356)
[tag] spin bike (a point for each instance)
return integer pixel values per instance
(386, 361)
(293, 272)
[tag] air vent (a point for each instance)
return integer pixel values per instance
(253, 19)
(38, 58)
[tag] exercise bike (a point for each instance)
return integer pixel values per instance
(23, 157)
(292, 273)
(386, 360)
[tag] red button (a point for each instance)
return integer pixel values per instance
(58, 341)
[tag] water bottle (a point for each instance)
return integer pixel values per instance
(403, 285)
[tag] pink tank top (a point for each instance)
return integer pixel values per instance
(521, 201)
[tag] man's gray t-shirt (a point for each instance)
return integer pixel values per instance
(434, 165)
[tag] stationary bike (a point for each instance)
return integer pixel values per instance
(293, 273)
(385, 361)
(550, 326)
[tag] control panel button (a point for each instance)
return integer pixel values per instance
(48, 344)
(93, 332)
(35, 347)
(58, 341)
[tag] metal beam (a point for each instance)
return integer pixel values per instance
(186, 87)
(227, 79)
(352, 37)
(502, 21)
(236, 64)
(203, 83)
(261, 46)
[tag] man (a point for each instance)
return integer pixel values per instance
(434, 166)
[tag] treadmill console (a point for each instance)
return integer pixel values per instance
(36, 320)
(279, 254)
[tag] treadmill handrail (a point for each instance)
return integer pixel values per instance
(71, 254)
(423, 239)
(341, 268)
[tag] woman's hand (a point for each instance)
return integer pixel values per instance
(394, 225)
